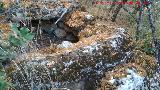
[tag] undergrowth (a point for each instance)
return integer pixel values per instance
(17, 37)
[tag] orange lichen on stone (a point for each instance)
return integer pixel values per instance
(96, 29)
(147, 62)
(66, 5)
(6, 2)
(48, 50)
(143, 64)
(85, 42)
(82, 43)
(119, 72)
(75, 19)
(89, 35)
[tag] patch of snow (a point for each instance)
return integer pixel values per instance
(88, 49)
(113, 43)
(65, 44)
(128, 53)
(91, 48)
(100, 72)
(120, 31)
(117, 38)
(89, 17)
(98, 64)
(66, 64)
(133, 81)
(87, 70)
(112, 80)
(37, 62)
(57, 84)
(154, 82)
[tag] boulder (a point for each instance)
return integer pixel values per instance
(80, 62)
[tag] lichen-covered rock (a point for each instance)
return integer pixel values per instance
(129, 77)
(87, 62)
(60, 33)
(75, 19)
(41, 9)
(138, 74)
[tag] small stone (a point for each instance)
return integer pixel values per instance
(89, 17)
(65, 44)
(60, 33)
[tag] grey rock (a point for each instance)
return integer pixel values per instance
(88, 62)
(60, 33)
(41, 9)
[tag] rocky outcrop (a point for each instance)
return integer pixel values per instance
(92, 55)
(62, 19)
(130, 76)
(74, 64)
(82, 66)
(41, 9)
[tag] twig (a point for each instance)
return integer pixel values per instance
(65, 11)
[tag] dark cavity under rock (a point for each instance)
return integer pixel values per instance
(47, 31)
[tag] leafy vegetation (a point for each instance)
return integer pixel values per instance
(17, 37)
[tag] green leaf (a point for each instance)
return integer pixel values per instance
(2, 73)
(3, 84)
(29, 36)
(24, 31)
(14, 41)
(14, 28)
(25, 34)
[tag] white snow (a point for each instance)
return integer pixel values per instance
(113, 43)
(66, 64)
(117, 37)
(89, 49)
(65, 44)
(89, 17)
(133, 81)
(88, 69)
(112, 80)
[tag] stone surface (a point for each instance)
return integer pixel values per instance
(129, 77)
(41, 9)
(87, 62)
(93, 56)
(60, 33)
